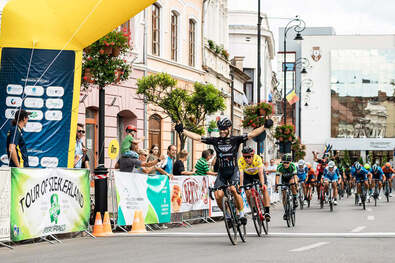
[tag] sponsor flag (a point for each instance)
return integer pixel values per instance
(292, 97)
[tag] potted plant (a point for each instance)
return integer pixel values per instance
(285, 134)
(299, 150)
(225, 54)
(255, 116)
(211, 44)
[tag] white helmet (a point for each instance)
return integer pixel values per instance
(331, 164)
(301, 163)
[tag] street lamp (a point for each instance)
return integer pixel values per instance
(304, 64)
(298, 25)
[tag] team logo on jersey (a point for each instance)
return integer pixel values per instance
(224, 147)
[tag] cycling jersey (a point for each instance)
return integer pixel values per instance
(252, 168)
(378, 174)
(388, 172)
(310, 174)
(286, 173)
(361, 175)
(331, 175)
(302, 173)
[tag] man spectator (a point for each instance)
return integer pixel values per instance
(202, 167)
(80, 149)
(179, 168)
(16, 145)
(271, 179)
(166, 167)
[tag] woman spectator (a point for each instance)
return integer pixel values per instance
(179, 168)
(154, 153)
(143, 155)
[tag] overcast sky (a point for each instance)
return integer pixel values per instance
(346, 16)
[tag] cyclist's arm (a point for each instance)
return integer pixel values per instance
(14, 156)
(256, 132)
(192, 135)
(261, 176)
(241, 177)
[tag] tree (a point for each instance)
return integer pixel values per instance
(190, 109)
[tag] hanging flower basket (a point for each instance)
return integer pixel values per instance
(285, 133)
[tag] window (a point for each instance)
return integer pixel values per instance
(249, 85)
(155, 30)
(192, 28)
(174, 35)
(154, 130)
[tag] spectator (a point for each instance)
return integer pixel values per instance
(143, 154)
(154, 153)
(179, 168)
(167, 166)
(130, 139)
(201, 166)
(16, 145)
(271, 179)
(128, 163)
(80, 149)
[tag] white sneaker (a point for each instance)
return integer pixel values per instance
(335, 202)
(379, 197)
(390, 194)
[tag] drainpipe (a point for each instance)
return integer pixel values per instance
(145, 74)
(202, 31)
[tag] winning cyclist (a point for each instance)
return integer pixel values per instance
(287, 171)
(388, 171)
(331, 175)
(360, 175)
(226, 148)
(251, 169)
(302, 175)
(377, 173)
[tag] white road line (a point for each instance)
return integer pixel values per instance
(358, 229)
(369, 209)
(319, 244)
(370, 218)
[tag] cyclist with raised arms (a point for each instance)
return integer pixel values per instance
(378, 174)
(226, 148)
(302, 176)
(331, 175)
(388, 171)
(251, 169)
(286, 170)
(360, 175)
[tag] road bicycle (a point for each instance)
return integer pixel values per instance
(301, 195)
(321, 194)
(362, 195)
(309, 191)
(231, 217)
(289, 208)
(376, 191)
(387, 190)
(257, 207)
(329, 194)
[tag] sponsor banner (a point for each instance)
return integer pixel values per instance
(5, 199)
(214, 210)
(148, 193)
(48, 201)
(189, 193)
(48, 97)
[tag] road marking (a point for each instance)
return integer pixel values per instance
(319, 244)
(369, 209)
(358, 229)
(270, 235)
(370, 218)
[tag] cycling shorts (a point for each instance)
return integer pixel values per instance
(302, 177)
(225, 178)
(249, 179)
(388, 176)
(333, 178)
(286, 179)
(378, 177)
(361, 179)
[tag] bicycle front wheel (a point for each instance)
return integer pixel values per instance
(263, 221)
(293, 217)
(256, 217)
(230, 221)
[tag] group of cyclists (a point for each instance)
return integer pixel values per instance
(302, 178)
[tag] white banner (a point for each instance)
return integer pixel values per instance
(5, 200)
(189, 193)
(214, 209)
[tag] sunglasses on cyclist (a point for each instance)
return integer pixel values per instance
(247, 156)
(285, 162)
(81, 131)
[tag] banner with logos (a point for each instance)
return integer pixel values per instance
(48, 201)
(189, 193)
(5, 199)
(148, 193)
(41, 82)
(214, 210)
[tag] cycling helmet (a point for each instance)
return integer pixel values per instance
(308, 165)
(357, 166)
(375, 168)
(301, 163)
(247, 150)
(331, 164)
(224, 123)
(367, 166)
(130, 128)
(286, 158)
(388, 165)
(325, 155)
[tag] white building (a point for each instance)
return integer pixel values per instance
(351, 104)
(243, 43)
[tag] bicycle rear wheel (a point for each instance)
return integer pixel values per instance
(264, 223)
(230, 221)
(256, 217)
(293, 216)
(287, 212)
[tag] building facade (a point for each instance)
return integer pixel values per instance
(351, 102)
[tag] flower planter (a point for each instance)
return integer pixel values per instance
(116, 51)
(260, 138)
(285, 147)
(107, 50)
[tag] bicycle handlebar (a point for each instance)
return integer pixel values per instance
(223, 187)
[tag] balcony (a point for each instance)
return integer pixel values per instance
(215, 64)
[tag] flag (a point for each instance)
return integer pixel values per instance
(292, 97)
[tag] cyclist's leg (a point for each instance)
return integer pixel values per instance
(334, 185)
(238, 199)
(219, 181)
(294, 181)
(219, 195)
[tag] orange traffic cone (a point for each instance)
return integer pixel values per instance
(98, 227)
(138, 223)
(107, 225)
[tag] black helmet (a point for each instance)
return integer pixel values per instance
(224, 123)
(247, 150)
(286, 158)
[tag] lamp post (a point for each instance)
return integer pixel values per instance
(298, 25)
(259, 62)
(304, 64)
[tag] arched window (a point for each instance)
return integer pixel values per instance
(155, 29)
(154, 130)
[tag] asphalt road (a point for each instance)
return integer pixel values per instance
(348, 234)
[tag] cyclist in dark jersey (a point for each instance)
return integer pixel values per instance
(226, 148)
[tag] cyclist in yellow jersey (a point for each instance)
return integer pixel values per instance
(251, 169)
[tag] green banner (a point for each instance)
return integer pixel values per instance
(48, 201)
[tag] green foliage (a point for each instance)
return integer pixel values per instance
(189, 109)
(285, 133)
(212, 125)
(218, 49)
(211, 44)
(255, 115)
(384, 160)
(101, 65)
(361, 161)
(299, 150)
(346, 161)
